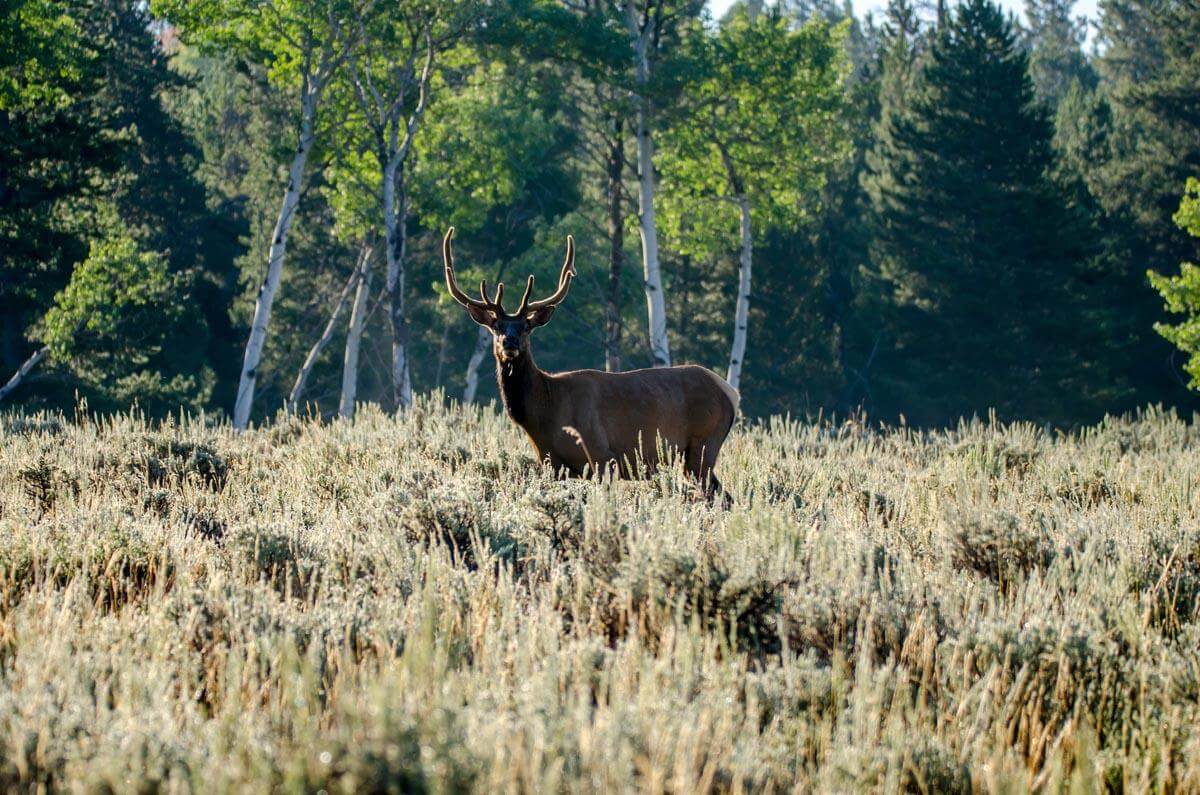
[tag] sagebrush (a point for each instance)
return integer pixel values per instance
(411, 603)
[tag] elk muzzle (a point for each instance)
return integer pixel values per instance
(509, 350)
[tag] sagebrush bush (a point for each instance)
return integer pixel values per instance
(1000, 546)
(412, 604)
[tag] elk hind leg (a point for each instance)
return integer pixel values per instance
(701, 458)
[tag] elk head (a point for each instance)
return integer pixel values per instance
(510, 332)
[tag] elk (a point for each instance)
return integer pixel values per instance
(588, 421)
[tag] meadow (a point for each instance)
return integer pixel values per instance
(406, 604)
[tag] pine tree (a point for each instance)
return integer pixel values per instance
(974, 270)
(1131, 145)
(57, 146)
(1152, 67)
(161, 200)
(94, 161)
(1056, 58)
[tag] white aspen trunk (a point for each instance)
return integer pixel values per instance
(393, 153)
(656, 308)
(656, 305)
(386, 119)
(616, 247)
(270, 285)
(394, 212)
(293, 401)
(358, 318)
(481, 345)
(24, 370)
(742, 314)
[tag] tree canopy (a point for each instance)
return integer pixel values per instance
(932, 211)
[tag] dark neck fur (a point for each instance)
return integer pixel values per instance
(522, 387)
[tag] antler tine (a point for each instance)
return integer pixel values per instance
(493, 304)
(525, 298)
(564, 279)
(451, 281)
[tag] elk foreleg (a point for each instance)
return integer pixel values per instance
(597, 457)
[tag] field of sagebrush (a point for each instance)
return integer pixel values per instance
(408, 604)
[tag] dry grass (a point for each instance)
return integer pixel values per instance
(411, 604)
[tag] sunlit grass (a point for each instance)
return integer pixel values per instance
(411, 603)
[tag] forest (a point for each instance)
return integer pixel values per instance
(924, 213)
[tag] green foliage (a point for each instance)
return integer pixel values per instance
(762, 119)
(1182, 293)
(40, 54)
(60, 144)
(93, 150)
(115, 322)
(918, 247)
(292, 39)
(477, 146)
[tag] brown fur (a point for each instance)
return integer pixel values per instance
(588, 421)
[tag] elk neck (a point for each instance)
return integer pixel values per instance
(523, 387)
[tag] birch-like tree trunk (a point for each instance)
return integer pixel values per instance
(275, 257)
(616, 248)
(741, 316)
(641, 33)
(22, 371)
(394, 134)
(293, 401)
(358, 319)
(394, 213)
(482, 340)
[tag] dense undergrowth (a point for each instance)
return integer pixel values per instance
(408, 604)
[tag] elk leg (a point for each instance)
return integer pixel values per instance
(693, 460)
(695, 464)
(705, 473)
(600, 457)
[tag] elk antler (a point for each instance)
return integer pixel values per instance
(488, 304)
(525, 298)
(564, 283)
(494, 304)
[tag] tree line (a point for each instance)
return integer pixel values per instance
(237, 205)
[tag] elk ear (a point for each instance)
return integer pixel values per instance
(481, 316)
(540, 316)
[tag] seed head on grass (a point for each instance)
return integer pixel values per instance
(401, 603)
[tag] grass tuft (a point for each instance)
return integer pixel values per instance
(410, 603)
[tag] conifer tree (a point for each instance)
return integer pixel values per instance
(94, 161)
(1152, 65)
(1056, 58)
(1132, 144)
(974, 270)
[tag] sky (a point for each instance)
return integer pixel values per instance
(1085, 8)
